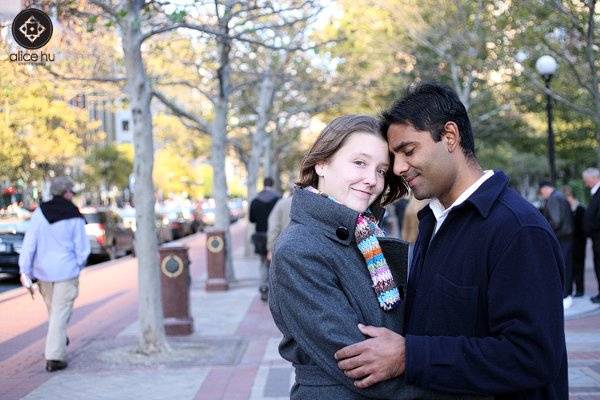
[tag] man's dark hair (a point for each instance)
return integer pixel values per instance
(428, 107)
(268, 182)
(545, 183)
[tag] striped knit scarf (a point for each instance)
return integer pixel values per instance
(366, 234)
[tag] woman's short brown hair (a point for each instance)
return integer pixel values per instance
(332, 138)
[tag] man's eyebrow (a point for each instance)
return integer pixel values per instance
(400, 146)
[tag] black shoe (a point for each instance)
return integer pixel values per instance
(55, 365)
(596, 299)
(578, 294)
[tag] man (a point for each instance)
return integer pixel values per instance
(483, 309)
(260, 208)
(279, 219)
(579, 242)
(591, 220)
(400, 209)
(55, 249)
(557, 212)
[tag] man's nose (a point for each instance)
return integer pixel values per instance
(400, 165)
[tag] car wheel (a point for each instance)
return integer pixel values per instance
(112, 251)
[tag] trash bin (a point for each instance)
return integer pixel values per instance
(175, 285)
(215, 260)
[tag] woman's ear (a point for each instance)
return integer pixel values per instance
(451, 136)
(320, 168)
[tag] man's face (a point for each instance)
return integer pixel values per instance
(589, 181)
(545, 192)
(68, 195)
(426, 166)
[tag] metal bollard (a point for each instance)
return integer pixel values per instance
(175, 285)
(215, 260)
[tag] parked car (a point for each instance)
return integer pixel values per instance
(109, 237)
(163, 231)
(237, 209)
(12, 232)
(208, 212)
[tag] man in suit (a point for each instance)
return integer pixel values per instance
(260, 208)
(557, 212)
(591, 220)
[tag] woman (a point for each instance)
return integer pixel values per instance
(328, 273)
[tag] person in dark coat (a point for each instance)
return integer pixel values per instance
(579, 243)
(557, 212)
(591, 220)
(260, 208)
(328, 272)
(484, 301)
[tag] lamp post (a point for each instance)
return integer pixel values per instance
(546, 67)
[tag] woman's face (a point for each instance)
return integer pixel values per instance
(355, 175)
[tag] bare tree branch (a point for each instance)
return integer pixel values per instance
(84, 79)
(200, 123)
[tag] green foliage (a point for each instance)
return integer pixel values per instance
(108, 165)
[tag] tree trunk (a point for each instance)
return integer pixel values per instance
(259, 136)
(268, 159)
(219, 138)
(152, 335)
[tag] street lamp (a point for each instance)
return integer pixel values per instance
(546, 66)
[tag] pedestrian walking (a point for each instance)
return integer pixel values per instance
(400, 209)
(591, 220)
(278, 220)
(55, 249)
(557, 211)
(260, 208)
(579, 243)
(484, 301)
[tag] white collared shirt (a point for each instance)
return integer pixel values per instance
(441, 213)
(595, 188)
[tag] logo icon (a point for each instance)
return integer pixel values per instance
(32, 28)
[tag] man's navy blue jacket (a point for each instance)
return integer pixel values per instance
(484, 302)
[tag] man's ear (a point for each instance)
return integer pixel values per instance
(451, 136)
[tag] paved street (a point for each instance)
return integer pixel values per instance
(231, 355)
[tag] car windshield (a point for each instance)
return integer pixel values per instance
(93, 218)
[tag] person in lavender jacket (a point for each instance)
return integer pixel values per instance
(55, 249)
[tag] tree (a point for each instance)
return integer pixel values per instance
(107, 166)
(229, 23)
(569, 32)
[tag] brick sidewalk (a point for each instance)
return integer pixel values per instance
(231, 355)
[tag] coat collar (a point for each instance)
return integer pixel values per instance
(326, 215)
(483, 198)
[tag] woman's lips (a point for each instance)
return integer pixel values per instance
(363, 193)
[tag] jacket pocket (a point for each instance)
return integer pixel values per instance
(453, 308)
